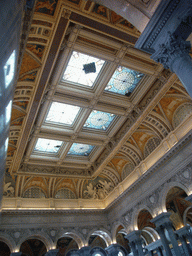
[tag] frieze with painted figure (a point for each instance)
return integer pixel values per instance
(46, 6)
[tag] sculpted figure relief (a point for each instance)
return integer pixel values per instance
(99, 191)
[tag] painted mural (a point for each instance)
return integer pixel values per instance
(37, 49)
(28, 64)
(46, 6)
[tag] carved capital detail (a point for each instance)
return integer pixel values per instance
(173, 49)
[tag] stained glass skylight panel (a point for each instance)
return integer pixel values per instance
(99, 120)
(80, 149)
(123, 81)
(77, 72)
(47, 145)
(62, 113)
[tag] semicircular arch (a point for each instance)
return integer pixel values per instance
(165, 191)
(43, 237)
(78, 238)
(136, 213)
(101, 232)
(114, 230)
(8, 240)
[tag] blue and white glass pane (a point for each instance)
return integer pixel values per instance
(8, 112)
(80, 149)
(62, 113)
(99, 120)
(48, 146)
(123, 81)
(75, 73)
(9, 69)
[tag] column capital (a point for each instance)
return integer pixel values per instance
(52, 252)
(161, 219)
(133, 236)
(189, 198)
(16, 253)
(84, 251)
(114, 249)
(172, 49)
(184, 231)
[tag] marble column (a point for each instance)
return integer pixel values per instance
(184, 244)
(162, 221)
(160, 251)
(168, 226)
(154, 246)
(133, 248)
(164, 241)
(135, 237)
(183, 234)
(138, 243)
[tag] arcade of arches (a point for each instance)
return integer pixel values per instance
(99, 152)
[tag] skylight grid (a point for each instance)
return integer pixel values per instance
(62, 113)
(80, 149)
(99, 120)
(76, 73)
(124, 81)
(47, 145)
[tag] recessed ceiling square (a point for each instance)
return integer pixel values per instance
(99, 120)
(82, 69)
(80, 149)
(62, 113)
(47, 145)
(124, 81)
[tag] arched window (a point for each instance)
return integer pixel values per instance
(127, 170)
(181, 113)
(34, 192)
(151, 145)
(65, 193)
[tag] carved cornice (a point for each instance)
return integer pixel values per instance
(184, 141)
(52, 171)
(50, 212)
(167, 17)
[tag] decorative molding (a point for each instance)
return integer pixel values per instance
(172, 49)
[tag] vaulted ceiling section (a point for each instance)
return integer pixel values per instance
(91, 114)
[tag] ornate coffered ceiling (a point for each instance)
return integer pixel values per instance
(79, 136)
